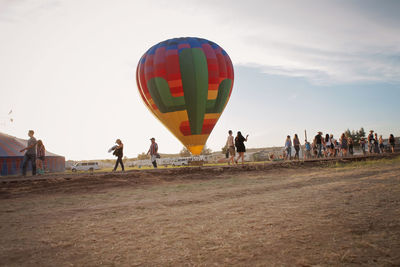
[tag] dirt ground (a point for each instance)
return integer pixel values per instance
(304, 215)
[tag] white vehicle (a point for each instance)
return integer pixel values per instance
(180, 162)
(85, 166)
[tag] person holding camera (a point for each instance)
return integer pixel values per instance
(118, 152)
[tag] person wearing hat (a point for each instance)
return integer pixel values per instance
(153, 151)
(371, 142)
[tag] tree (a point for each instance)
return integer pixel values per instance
(224, 150)
(142, 156)
(355, 135)
(206, 150)
(185, 152)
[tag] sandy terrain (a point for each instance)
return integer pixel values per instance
(301, 214)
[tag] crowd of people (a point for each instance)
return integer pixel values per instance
(322, 146)
(328, 146)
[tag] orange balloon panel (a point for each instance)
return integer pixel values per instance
(186, 83)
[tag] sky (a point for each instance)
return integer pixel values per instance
(67, 69)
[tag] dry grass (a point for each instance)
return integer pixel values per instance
(346, 215)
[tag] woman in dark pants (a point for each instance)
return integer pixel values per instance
(296, 144)
(119, 153)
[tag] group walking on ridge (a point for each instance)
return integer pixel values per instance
(328, 146)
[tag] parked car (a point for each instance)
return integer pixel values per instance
(85, 166)
(180, 162)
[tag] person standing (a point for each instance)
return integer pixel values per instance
(40, 155)
(318, 144)
(30, 154)
(296, 145)
(392, 142)
(240, 147)
(362, 145)
(119, 153)
(370, 140)
(332, 146)
(307, 147)
(351, 146)
(381, 145)
(231, 147)
(327, 145)
(344, 144)
(288, 148)
(376, 144)
(153, 151)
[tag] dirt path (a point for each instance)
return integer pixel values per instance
(343, 215)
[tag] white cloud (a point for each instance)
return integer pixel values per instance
(65, 61)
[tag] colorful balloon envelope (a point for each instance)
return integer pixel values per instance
(186, 83)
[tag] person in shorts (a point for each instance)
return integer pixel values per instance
(381, 145)
(230, 144)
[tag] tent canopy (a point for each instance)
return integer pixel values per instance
(10, 146)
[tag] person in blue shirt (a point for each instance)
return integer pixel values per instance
(288, 147)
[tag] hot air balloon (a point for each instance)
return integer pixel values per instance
(186, 83)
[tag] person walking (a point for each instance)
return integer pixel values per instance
(376, 144)
(296, 145)
(119, 153)
(240, 147)
(327, 146)
(288, 148)
(230, 144)
(351, 146)
(370, 140)
(30, 154)
(40, 155)
(344, 144)
(392, 142)
(318, 144)
(153, 151)
(307, 147)
(381, 145)
(337, 148)
(363, 145)
(332, 146)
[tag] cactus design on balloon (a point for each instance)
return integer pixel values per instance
(194, 72)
